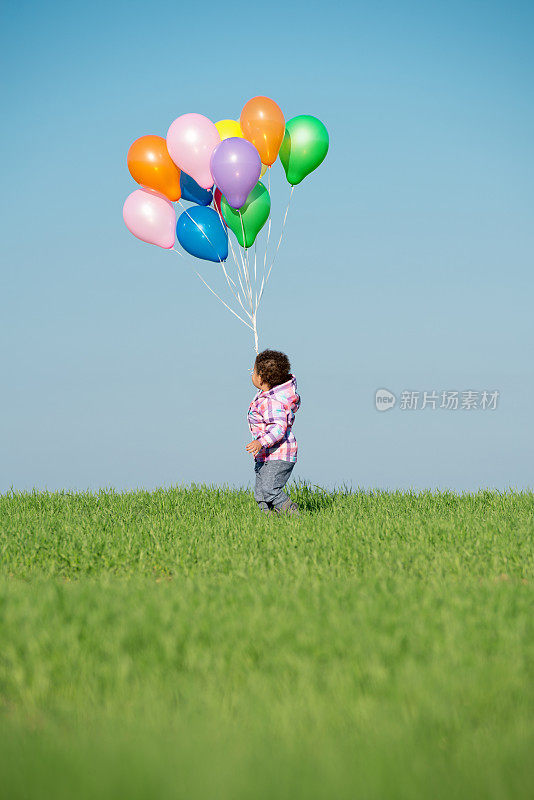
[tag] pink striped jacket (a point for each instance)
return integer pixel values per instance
(270, 418)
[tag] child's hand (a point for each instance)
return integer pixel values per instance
(253, 447)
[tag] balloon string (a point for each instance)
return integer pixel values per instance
(233, 255)
(255, 276)
(216, 295)
(243, 268)
(245, 261)
(247, 255)
(225, 304)
(216, 253)
(249, 289)
(235, 293)
(223, 268)
(242, 271)
(239, 266)
(238, 296)
(256, 300)
(240, 280)
(264, 283)
(242, 289)
(238, 270)
(268, 227)
(238, 273)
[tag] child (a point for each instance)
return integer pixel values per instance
(270, 418)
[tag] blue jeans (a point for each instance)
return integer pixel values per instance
(271, 477)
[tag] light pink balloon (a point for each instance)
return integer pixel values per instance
(191, 140)
(150, 217)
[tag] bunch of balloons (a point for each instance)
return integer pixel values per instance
(217, 167)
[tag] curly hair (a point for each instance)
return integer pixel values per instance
(273, 367)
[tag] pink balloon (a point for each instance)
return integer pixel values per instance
(191, 140)
(150, 217)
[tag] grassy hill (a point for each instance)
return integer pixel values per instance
(178, 644)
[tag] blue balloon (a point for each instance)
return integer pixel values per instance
(201, 232)
(193, 192)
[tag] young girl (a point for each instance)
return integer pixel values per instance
(270, 418)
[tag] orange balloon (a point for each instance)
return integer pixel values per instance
(263, 124)
(150, 165)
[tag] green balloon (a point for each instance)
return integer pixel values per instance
(304, 147)
(251, 217)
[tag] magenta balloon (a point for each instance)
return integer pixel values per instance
(235, 166)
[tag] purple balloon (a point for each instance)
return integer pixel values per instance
(235, 166)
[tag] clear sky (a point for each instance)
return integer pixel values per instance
(407, 262)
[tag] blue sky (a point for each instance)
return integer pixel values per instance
(407, 261)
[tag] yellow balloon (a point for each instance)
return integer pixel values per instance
(263, 170)
(228, 128)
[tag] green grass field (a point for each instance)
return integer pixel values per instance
(178, 644)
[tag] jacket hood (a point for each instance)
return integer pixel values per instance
(286, 393)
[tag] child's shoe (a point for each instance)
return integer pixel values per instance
(289, 507)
